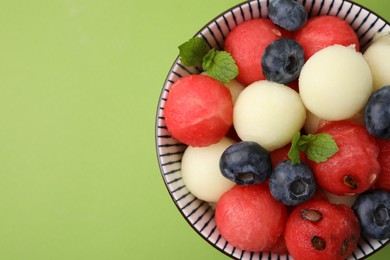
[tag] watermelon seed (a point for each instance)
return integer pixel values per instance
(318, 243)
(311, 215)
(350, 182)
(344, 248)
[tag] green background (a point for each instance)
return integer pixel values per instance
(79, 86)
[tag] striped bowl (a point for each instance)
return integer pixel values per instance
(199, 214)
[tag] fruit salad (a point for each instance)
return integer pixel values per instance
(287, 133)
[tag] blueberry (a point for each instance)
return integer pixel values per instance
(373, 211)
(246, 163)
(283, 60)
(287, 14)
(292, 184)
(377, 113)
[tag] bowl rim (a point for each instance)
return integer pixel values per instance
(160, 100)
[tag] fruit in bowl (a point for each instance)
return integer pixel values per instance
(283, 77)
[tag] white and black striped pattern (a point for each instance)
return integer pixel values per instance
(199, 214)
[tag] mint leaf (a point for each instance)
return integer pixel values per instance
(317, 147)
(208, 59)
(220, 65)
(321, 147)
(193, 51)
(293, 153)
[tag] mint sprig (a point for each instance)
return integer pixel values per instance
(218, 64)
(317, 147)
(193, 51)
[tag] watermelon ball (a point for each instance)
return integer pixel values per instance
(354, 168)
(249, 218)
(200, 171)
(198, 110)
(335, 83)
(268, 113)
(247, 42)
(383, 181)
(323, 31)
(320, 230)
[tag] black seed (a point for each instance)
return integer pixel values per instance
(344, 247)
(350, 182)
(318, 243)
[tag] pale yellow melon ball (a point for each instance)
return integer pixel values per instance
(201, 173)
(377, 56)
(268, 113)
(234, 86)
(335, 83)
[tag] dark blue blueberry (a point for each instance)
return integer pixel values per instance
(246, 163)
(283, 60)
(292, 184)
(377, 113)
(373, 211)
(288, 14)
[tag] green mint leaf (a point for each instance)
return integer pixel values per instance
(320, 147)
(193, 51)
(293, 153)
(303, 142)
(220, 65)
(317, 147)
(208, 59)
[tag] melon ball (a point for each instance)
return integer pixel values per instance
(198, 110)
(268, 113)
(377, 56)
(335, 83)
(201, 173)
(347, 200)
(249, 218)
(234, 86)
(312, 123)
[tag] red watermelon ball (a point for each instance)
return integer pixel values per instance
(247, 42)
(319, 230)
(199, 110)
(354, 168)
(383, 181)
(324, 31)
(249, 218)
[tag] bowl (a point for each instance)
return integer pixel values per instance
(200, 214)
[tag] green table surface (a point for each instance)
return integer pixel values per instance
(79, 86)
